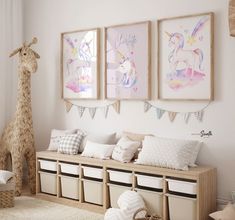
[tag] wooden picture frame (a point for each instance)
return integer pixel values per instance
(80, 57)
(185, 57)
(127, 61)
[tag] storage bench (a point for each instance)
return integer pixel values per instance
(158, 186)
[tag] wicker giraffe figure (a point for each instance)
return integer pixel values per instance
(17, 139)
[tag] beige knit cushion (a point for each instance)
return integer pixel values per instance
(227, 214)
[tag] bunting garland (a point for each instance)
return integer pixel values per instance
(92, 110)
(172, 115)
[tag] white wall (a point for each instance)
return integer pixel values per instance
(46, 19)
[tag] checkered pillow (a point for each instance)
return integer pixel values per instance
(69, 144)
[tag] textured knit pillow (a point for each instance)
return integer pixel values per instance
(125, 150)
(165, 152)
(69, 144)
(227, 214)
(96, 150)
(5, 176)
(115, 214)
(129, 202)
(56, 136)
(98, 138)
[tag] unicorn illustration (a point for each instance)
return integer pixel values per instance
(127, 69)
(185, 64)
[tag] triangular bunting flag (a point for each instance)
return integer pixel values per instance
(160, 112)
(105, 111)
(199, 115)
(116, 106)
(172, 116)
(147, 106)
(186, 117)
(81, 110)
(92, 112)
(68, 106)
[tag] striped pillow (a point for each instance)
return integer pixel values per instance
(69, 144)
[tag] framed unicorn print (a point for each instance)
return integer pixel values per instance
(185, 57)
(80, 64)
(127, 61)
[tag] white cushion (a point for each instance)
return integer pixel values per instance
(5, 176)
(115, 214)
(96, 150)
(227, 214)
(98, 138)
(56, 136)
(194, 154)
(165, 152)
(70, 143)
(130, 201)
(125, 150)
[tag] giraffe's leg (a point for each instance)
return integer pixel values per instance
(17, 167)
(3, 159)
(31, 163)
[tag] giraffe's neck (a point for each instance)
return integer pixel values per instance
(23, 107)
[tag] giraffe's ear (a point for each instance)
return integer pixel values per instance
(15, 52)
(36, 54)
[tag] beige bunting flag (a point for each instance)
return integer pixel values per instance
(186, 117)
(116, 106)
(172, 116)
(68, 106)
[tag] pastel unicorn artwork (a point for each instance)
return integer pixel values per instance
(80, 64)
(186, 65)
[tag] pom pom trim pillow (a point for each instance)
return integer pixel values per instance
(125, 150)
(96, 150)
(165, 152)
(70, 144)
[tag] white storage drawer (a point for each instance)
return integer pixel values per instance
(70, 187)
(182, 186)
(119, 176)
(93, 192)
(182, 208)
(93, 172)
(114, 192)
(69, 168)
(149, 181)
(153, 201)
(48, 182)
(48, 165)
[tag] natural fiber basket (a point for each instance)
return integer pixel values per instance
(147, 217)
(7, 193)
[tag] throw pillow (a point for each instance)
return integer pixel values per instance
(97, 150)
(70, 143)
(56, 136)
(98, 138)
(227, 214)
(165, 152)
(125, 150)
(5, 176)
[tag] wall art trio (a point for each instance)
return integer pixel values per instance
(185, 60)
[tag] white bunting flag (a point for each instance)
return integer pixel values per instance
(81, 110)
(159, 112)
(199, 115)
(106, 111)
(147, 106)
(92, 112)
(172, 116)
(186, 117)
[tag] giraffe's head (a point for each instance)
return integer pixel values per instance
(28, 57)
